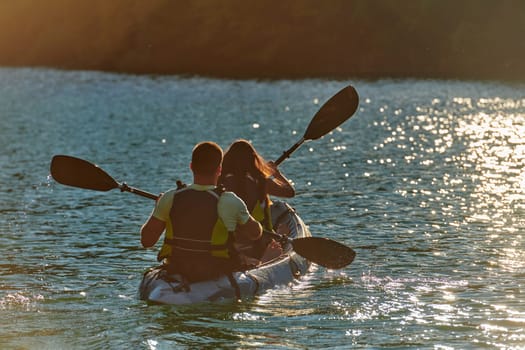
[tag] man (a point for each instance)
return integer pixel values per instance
(200, 222)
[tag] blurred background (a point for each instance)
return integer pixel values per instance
(468, 39)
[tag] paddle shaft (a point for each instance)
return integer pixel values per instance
(125, 188)
(277, 236)
(288, 153)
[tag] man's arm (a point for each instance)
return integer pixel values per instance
(151, 231)
(155, 225)
(251, 229)
(236, 217)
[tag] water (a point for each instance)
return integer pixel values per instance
(426, 182)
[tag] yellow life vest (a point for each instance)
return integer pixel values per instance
(261, 212)
(197, 230)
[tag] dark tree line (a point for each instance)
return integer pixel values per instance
(456, 39)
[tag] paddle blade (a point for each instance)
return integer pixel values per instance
(324, 252)
(333, 113)
(80, 173)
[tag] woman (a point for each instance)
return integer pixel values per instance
(253, 179)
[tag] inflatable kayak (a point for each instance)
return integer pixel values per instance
(158, 286)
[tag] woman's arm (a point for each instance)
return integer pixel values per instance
(278, 185)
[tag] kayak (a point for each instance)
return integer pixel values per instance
(159, 287)
(300, 248)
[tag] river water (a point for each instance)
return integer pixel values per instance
(426, 182)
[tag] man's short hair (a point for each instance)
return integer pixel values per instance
(206, 158)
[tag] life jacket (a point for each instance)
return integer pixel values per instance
(199, 246)
(253, 193)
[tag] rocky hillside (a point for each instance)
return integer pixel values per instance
(465, 39)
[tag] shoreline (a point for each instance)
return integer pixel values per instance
(271, 39)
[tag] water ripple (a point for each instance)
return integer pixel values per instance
(426, 182)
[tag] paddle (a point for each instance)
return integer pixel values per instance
(332, 113)
(322, 251)
(76, 172)
(80, 173)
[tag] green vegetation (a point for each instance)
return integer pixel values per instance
(467, 39)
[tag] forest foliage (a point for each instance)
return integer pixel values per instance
(450, 39)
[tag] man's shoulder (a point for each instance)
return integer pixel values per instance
(167, 197)
(229, 198)
(169, 193)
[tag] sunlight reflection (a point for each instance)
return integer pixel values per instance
(418, 305)
(152, 344)
(478, 145)
(495, 149)
(292, 295)
(19, 300)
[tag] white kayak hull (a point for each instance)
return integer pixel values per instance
(159, 287)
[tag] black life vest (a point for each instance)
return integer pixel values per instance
(200, 246)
